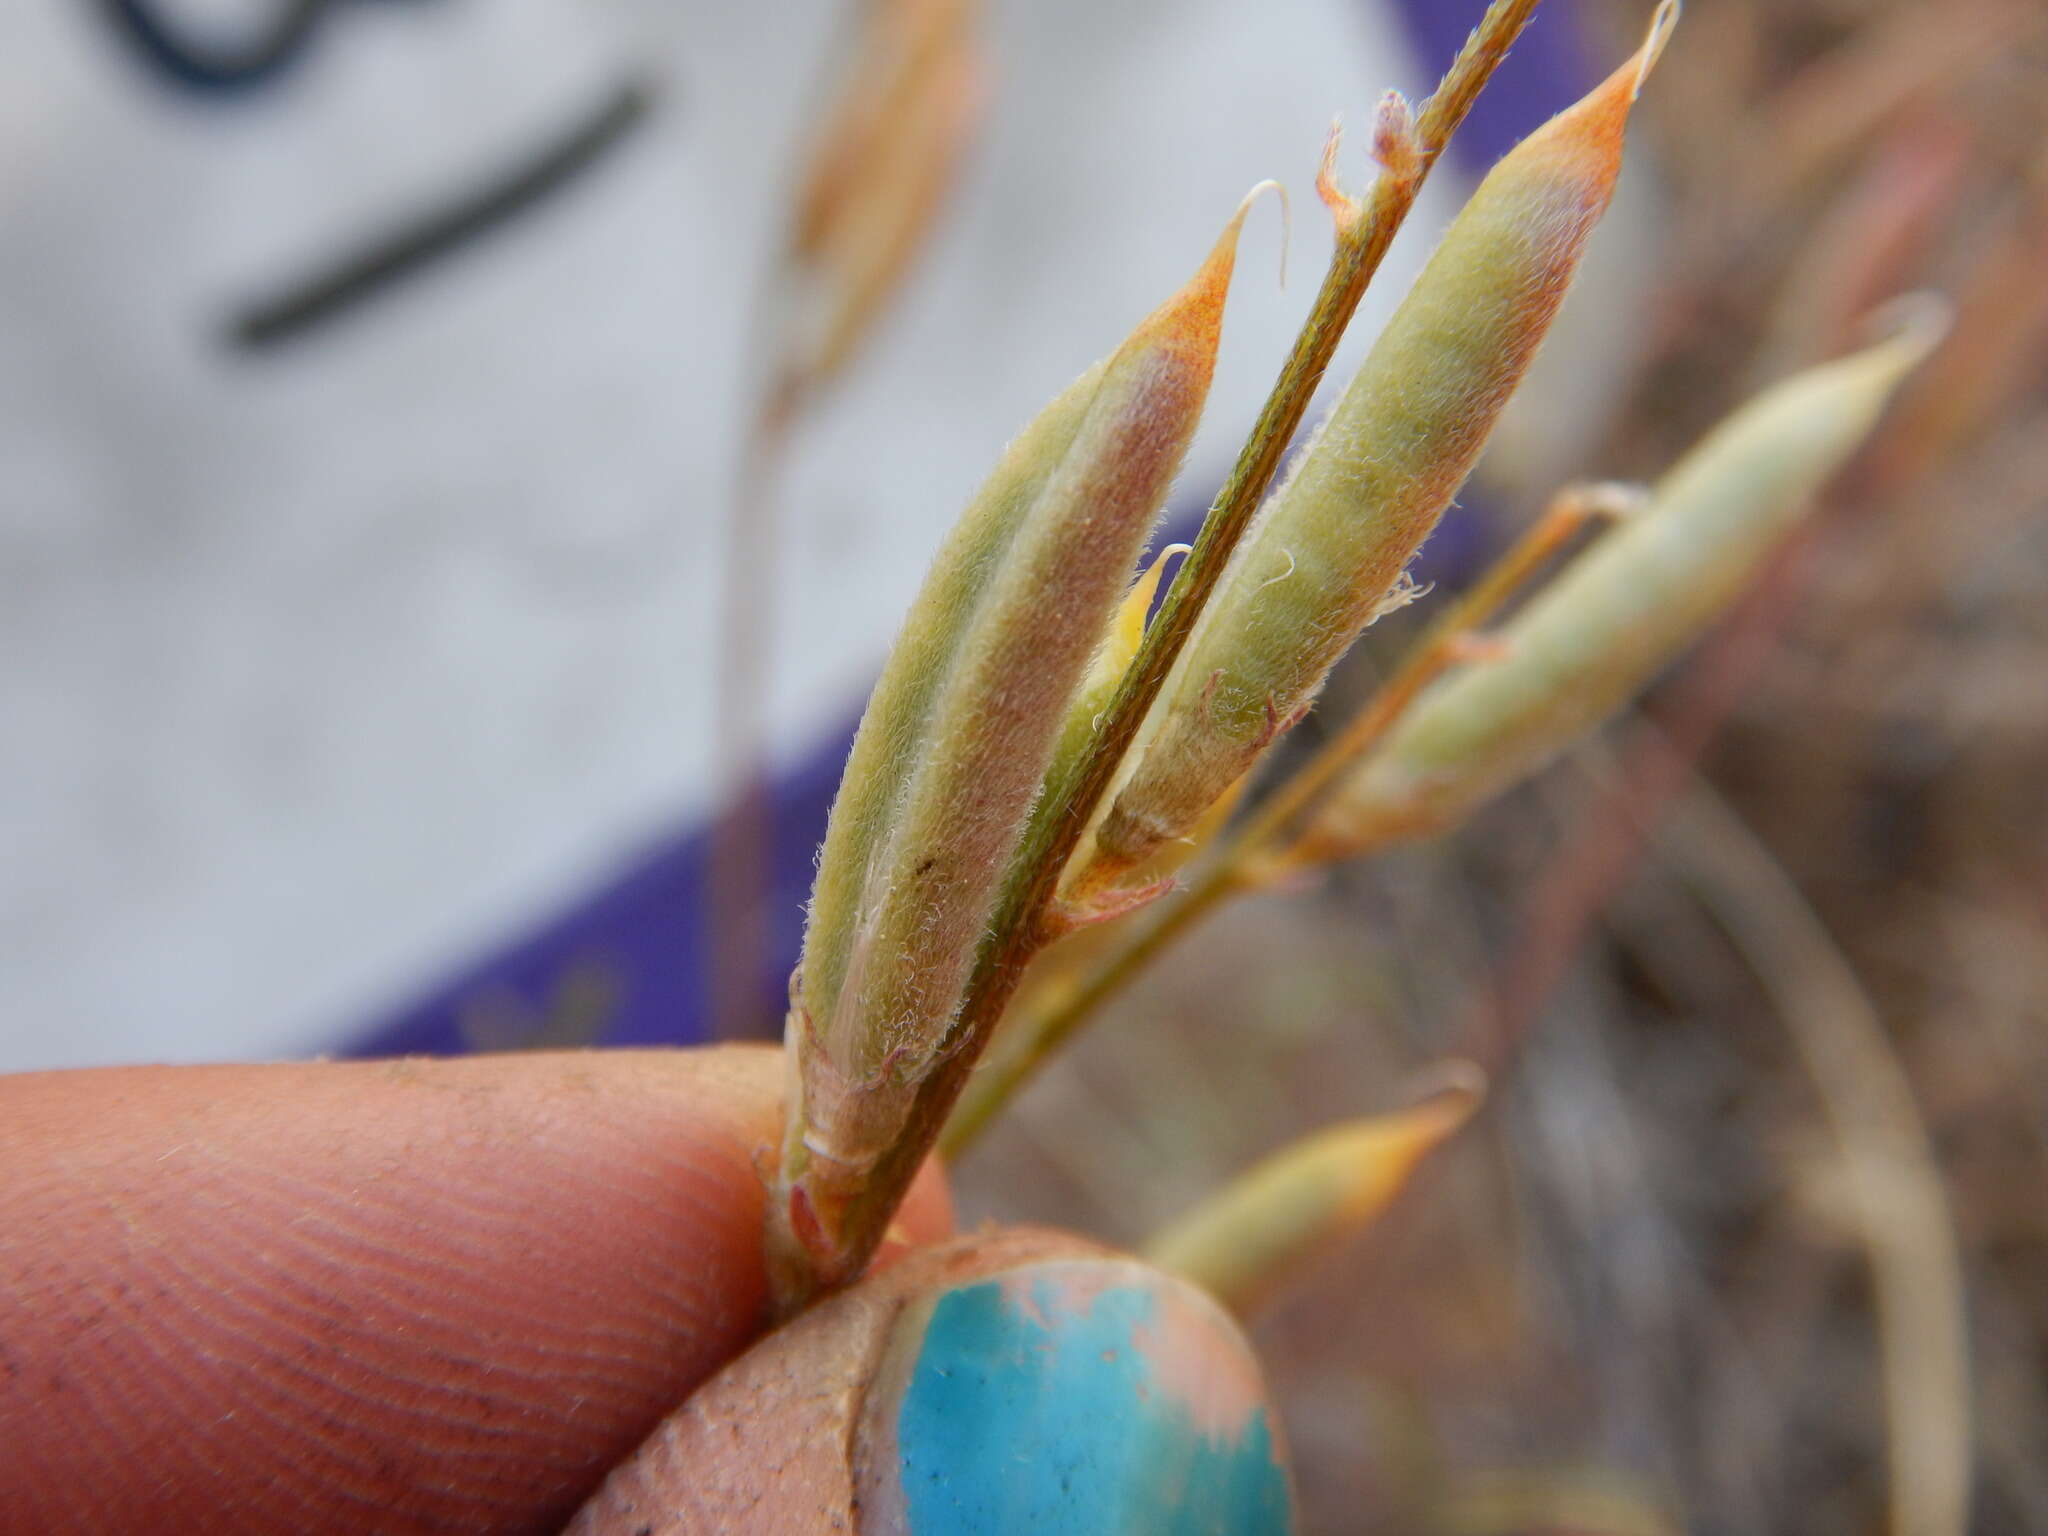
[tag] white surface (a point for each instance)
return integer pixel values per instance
(322, 672)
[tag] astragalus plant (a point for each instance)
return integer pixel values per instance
(1024, 772)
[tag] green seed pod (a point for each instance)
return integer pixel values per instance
(1328, 551)
(954, 748)
(1618, 613)
(893, 730)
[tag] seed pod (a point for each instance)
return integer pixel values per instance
(1611, 621)
(1264, 1228)
(954, 749)
(894, 728)
(1328, 552)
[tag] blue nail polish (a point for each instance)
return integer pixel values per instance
(1086, 1396)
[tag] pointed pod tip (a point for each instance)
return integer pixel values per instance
(1279, 190)
(1601, 115)
(1898, 337)
(1662, 23)
(1250, 1239)
(1910, 326)
(1620, 89)
(1447, 1095)
(1213, 277)
(1193, 317)
(1222, 260)
(1382, 1153)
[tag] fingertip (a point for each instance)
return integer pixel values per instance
(1014, 1381)
(451, 1291)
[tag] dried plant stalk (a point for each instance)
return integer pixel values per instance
(953, 750)
(1615, 616)
(1894, 1174)
(1328, 552)
(889, 147)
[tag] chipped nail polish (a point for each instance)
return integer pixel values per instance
(1087, 1395)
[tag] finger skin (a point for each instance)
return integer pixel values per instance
(381, 1297)
(1014, 1380)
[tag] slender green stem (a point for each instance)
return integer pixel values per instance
(1017, 1056)
(1254, 857)
(1019, 930)
(1439, 646)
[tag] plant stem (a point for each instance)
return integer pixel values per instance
(1456, 628)
(1866, 1098)
(1364, 231)
(1251, 860)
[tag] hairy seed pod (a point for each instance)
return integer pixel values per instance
(1328, 552)
(893, 730)
(952, 753)
(1624, 608)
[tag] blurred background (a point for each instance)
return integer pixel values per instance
(461, 465)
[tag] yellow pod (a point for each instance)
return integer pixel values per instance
(1262, 1230)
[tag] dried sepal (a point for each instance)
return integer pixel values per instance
(1328, 550)
(952, 753)
(1345, 209)
(1248, 1240)
(1619, 612)
(1100, 906)
(1393, 137)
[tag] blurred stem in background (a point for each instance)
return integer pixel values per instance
(1899, 1203)
(904, 99)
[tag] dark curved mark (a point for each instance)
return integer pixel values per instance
(215, 67)
(402, 252)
